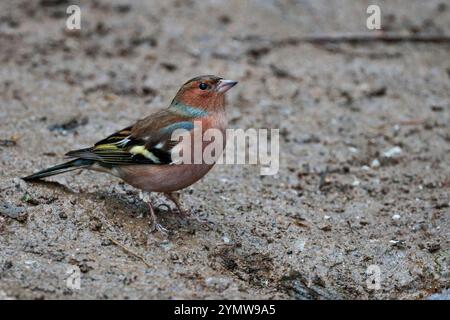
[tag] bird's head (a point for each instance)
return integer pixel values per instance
(206, 92)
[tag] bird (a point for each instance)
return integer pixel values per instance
(142, 154)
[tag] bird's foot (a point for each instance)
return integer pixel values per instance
(183, 212)
(202, 220)
(156, 226)
(177, 210)
(175, 198)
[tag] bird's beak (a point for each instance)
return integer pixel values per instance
(225, 85)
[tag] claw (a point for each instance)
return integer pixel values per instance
(155, 225)
(158, 227)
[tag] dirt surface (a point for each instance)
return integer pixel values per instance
(364, 173)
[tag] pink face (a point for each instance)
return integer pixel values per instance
(205, 91)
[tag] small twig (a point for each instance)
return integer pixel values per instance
(117, 243)
(353, 38)
(410, 122)
(129, 251)
(371, 37)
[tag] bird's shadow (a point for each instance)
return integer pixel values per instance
(130, 213)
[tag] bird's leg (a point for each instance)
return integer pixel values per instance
(155, 224)
(175, 198)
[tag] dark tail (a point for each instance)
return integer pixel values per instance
(64, 167)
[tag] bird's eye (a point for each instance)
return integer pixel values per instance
(203, 86)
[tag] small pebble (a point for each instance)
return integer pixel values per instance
(299, 245)
(392, 152)
(218, 282)
(375, 163)
(13, 212)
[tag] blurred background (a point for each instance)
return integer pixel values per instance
(365, 149)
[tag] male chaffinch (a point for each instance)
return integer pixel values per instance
(141, 154)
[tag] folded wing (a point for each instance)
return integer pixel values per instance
(147, 142)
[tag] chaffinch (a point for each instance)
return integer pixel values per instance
(141, 154)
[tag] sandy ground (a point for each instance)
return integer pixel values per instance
(364, 173)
